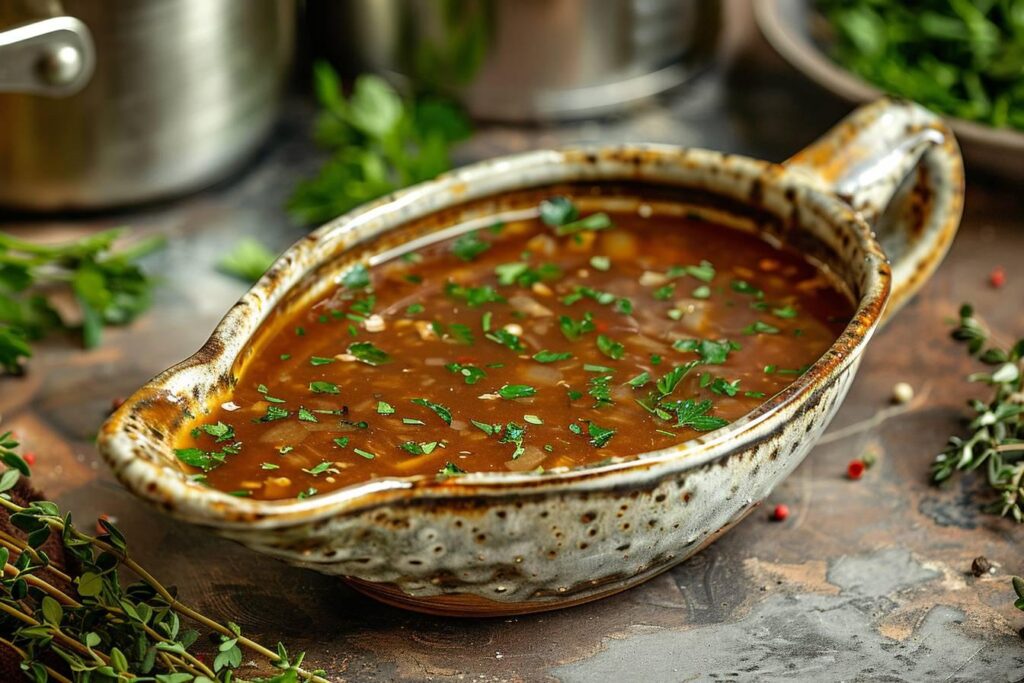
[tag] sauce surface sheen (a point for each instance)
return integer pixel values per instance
(533, 344)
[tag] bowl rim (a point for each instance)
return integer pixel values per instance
(160, 484)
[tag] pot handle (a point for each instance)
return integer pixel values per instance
(899, 166)
(47, 57)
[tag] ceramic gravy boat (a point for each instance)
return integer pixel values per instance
(506, 543)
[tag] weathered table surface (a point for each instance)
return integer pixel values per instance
(866, 580)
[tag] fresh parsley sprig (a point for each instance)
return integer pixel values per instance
(997, 427)
(106, 283)
(378, 141)
(960, 58)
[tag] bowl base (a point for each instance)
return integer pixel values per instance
(470, 605)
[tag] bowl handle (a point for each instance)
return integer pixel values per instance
(899, 166)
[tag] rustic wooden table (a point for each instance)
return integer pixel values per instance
(865, 580)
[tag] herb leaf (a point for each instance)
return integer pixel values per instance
(441, 411)
(366, 352)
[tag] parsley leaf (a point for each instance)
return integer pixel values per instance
(599, 436)
(758, 327)
(513, 391)
(470, 373)
(610, 347)
(366, 352)
(323, 387)
(551, 356)
(468, 246)
(441, 411)
(356, 277)
(691, 413)
(378, 142)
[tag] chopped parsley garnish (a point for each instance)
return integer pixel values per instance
(506, 338)
(468, 246)
(470, 373)
(273, 413)
(200, 459)
(220, 431)
(665, 293)
(572, 329)
(473, 296)
(441, 411)
(558, 211)
(602, 263)
(356, 277)
(600, 390)
(640, 380)
(419, 447)
(610, 347)
(593, 367)
(450, 469)
(341, 441)
(460, 333)
(320, 360)
(758, 327)
(692, 413)
(320, 387)
(365, 454)
(724, 387)
(269, 466)
(513, 391)
(385, 408)
(711, 352)
(414, 309)
(366, 352)
(488, 429)
(551, 356)
(599, 436)
(561, 214)
(318, 469)
(514, 434)
(306, 415)
(702, 292)
(532, 419)
(671, 379)
(785, 312)
(522, 274)
(580, 292)
(744, 287)
(266, 397)
(592, 223)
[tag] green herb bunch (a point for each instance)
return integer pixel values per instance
(79, 622)
(107, 285)
(997, 428)
(378, 142)
(959, 57)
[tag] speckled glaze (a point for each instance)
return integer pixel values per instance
(506, 543)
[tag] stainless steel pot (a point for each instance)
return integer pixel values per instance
(516, 60)
(180, 93)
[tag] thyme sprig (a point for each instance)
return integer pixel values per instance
(997, 428)
(79, 623)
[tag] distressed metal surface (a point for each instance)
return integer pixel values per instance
(866, 580)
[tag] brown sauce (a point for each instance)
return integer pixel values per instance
(517, 348)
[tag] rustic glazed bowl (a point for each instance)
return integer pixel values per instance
(506, 543)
